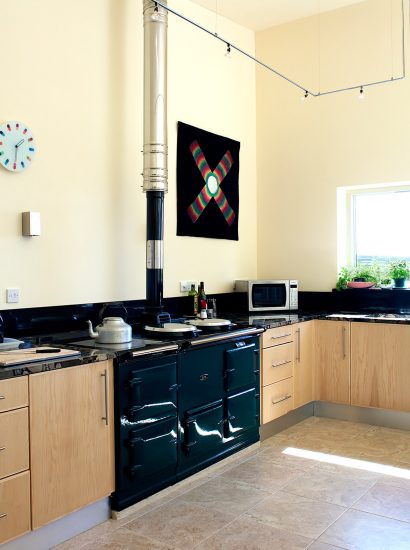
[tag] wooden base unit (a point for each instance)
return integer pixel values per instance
(381, 365)
(13, 393)
(14, 506)
(277, 399)
(71, 438)
(14, 455)
(277, 363)
(278, 335)
(332, 370)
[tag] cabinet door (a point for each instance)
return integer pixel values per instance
(14, 506)
(241, 366)
(71, 439)
(303, 364)
(242, 413)
(380, 365)
(332, 375)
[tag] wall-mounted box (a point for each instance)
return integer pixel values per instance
(31, 224)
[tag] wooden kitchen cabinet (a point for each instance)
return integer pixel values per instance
(14, 506)
(332, 361)
(71, 438)
(277, 372)
(14, 459)
(303, 364)
(380, 355)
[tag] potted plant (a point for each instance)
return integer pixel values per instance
(399, 272)
(373, 275)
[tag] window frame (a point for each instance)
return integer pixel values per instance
(350, 193)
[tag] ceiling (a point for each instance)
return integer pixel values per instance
(263, 14)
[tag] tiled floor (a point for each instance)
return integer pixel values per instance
(322, 484)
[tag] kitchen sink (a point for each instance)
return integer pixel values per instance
(365, 316)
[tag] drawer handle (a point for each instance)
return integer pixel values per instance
(2, 397)
(280, 363)
(3, 516)
(2, 448)
(280, 400)
(281, 336)
(104, 375)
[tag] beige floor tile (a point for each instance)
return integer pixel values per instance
(330, 487)
(322, 546)
(279, 455)
(125, 539)
(296, 514)
(222, 495)
(183, 525)
(390, 498)
(249, 534)
(362, 531)
(91, 535)
(262, 473)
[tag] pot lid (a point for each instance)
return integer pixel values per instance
(172, 328)
(210, 322)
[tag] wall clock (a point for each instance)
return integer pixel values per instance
(17, 147)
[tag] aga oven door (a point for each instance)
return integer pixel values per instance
(242, 413)
(241, 365)
(202, 431)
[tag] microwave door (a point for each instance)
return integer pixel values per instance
(269, 296)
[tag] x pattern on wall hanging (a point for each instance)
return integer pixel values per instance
(207, 184)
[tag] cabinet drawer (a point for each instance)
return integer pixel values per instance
(277, 400)
(14, 506)
(13, 442)
(277, 363)
(278, 335)
(13, 393)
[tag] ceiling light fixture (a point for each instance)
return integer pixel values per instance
(228, 51)
(281, 75)
(361, 93)
(305, 96)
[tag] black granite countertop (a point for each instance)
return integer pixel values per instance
(262, 320)
(23, 369)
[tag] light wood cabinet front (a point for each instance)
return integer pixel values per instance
(303, 364)
(277, 400)
(276, 336)
(72, 440)
(14, 506)
(13, 393)
(332, 355)
(381, 365)
(14, 456)
(277, 363)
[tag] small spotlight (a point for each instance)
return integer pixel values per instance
(304, 96)
(361, 93)
(228, 51)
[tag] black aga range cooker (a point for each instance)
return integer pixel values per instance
(181, 406)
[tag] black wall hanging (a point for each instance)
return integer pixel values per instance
(207, 184)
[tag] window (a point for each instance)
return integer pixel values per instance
(378, 224)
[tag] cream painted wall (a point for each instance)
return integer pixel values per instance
(306, 150)
(73, 73)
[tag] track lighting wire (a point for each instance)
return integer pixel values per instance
(281, 75)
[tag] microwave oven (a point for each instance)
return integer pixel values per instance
(272, 295)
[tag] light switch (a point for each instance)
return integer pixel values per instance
(31, 224)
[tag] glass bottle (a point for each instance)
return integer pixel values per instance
(194, 295)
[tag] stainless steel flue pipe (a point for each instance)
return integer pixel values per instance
(155, 149)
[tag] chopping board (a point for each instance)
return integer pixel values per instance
(19, 356)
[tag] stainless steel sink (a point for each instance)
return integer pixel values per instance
(382, 316)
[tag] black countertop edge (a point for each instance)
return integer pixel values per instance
(24, 369)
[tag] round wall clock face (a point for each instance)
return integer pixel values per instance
(17, 147)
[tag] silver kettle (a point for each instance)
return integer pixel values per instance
(113, 330)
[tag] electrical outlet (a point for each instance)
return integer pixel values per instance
(185, 286)
(12, 295)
